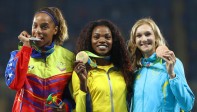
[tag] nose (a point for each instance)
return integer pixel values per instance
(102, 39)
(37, 30)
(144, 38)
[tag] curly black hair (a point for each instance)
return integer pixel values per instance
(119, 54)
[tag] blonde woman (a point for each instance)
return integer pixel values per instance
(160, 84)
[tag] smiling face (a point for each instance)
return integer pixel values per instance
(101, 40)
(43, 28)
(145, 40)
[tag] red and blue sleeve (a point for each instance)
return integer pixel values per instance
(16, 70)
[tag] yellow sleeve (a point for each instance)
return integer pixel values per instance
(79, 96)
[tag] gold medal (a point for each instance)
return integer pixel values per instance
(82, 56)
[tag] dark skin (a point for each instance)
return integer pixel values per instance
(81, 71)
(101, 43)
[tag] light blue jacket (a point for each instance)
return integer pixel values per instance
(154, 91)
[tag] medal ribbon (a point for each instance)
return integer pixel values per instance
(92, 63)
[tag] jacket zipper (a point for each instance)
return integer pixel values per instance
(111, 92)
(144, 90)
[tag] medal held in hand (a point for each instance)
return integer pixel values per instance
(33, 42)
(160, 50)
(82, 56)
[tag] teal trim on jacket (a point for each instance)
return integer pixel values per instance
(154, 91)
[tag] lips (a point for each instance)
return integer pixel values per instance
(145, 44)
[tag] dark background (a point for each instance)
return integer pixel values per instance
(177, 20)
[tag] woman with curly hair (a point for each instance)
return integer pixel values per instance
(41, 67)
(101, 84)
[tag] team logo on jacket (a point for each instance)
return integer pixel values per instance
(30, 67)
(61, 66)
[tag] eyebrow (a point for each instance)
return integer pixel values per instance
(99, 33)
(143, 32)
(44, 24)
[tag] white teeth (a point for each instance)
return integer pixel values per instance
(145, 44)
(34, 39)
(102, 47)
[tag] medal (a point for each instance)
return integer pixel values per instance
(160, 50)
(82, 56)
(33, 41)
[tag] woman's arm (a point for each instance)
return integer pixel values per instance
(78, 94)
(16, 70)
(181, 90)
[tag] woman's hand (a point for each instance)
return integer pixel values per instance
(170, 59)
(80, 69)
(23, 37)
